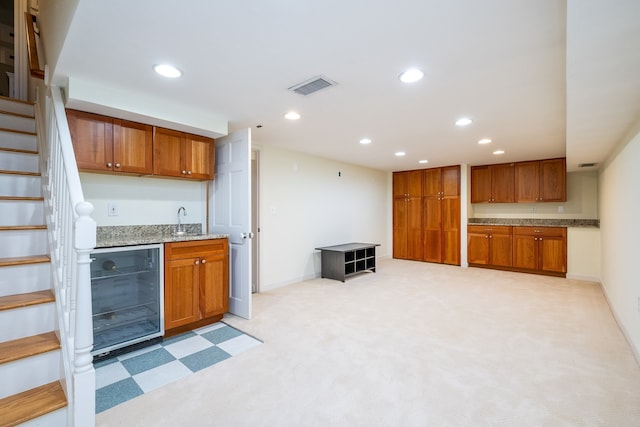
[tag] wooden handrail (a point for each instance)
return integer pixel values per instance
(32, 47)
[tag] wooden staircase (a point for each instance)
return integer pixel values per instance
(31, 392)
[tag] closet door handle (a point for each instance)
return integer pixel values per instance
(204, 261)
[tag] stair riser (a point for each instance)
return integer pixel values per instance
(20, 185)
(21, 279)
(30, 372)
(23, 243)
(8, 121)
(26, 321)
(55, 418)
(18, 162)
(21, 213)
(16, 107)
(18, 141)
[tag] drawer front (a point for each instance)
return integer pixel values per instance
(489, 229)
(196, 248)
(540, 231)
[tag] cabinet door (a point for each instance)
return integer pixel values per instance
(480, 184)
(501, 250)
(478, 248)
(432, 221)
(399, 228)
(92, 139)
(527, 182)
(451, 230)
(553, 180)
(400, 184)
(181, 292)
(414, 183)
(553, 255)
(415, 236)
(132, 147)
(168, 152)
(432, 186)
(525, 251)
(502, 183)
(451, 181)
(214, 291)
(199, 157)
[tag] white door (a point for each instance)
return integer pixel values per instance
(230, 213)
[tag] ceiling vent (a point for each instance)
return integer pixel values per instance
(313, 85)
(587, 165)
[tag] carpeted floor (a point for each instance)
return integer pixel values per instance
(415, 344)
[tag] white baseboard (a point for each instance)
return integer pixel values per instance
(635, 350)
(584, 277)
(277, 285)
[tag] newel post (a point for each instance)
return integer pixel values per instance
(84, 379)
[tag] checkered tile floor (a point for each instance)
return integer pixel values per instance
(130, 375)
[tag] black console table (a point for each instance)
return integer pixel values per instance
(341, 261)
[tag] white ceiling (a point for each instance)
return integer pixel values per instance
(541, 78)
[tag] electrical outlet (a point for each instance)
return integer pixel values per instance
(113, 209)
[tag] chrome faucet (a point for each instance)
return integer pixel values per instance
(184, 213)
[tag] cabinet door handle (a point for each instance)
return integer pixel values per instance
(188, 172)
(204, 261)
(491, 237)
(109, 164)
(197, 262)
(117, 165)
(184, 172)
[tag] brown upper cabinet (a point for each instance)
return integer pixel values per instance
(107, 144)
(521, 182)
(182, 155)
(492, 183)
(541, 181)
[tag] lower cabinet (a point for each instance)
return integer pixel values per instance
(540, 250)
(489, 246)
(196, 284)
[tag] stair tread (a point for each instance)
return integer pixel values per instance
(24, 132)
(18, 150)
(11, 113)
(21, 198)
(8, 172)
(28, 346)
(9, 302)
(22, 227)
(31, 404)
(21, 260)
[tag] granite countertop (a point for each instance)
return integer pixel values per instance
(534, 222)
(129, 235)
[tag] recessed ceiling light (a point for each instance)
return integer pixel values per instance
(400, 153)
(365, 141)
(463, 121)
(498, 152)
(292, 115)
(423, 161)
(484, 141)
(167, 70)
(412, 75)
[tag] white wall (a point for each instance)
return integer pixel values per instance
(619, 222)
(144, 200)
(54, 18)
(305, 204)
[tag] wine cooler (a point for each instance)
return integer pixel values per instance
(127, 296)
